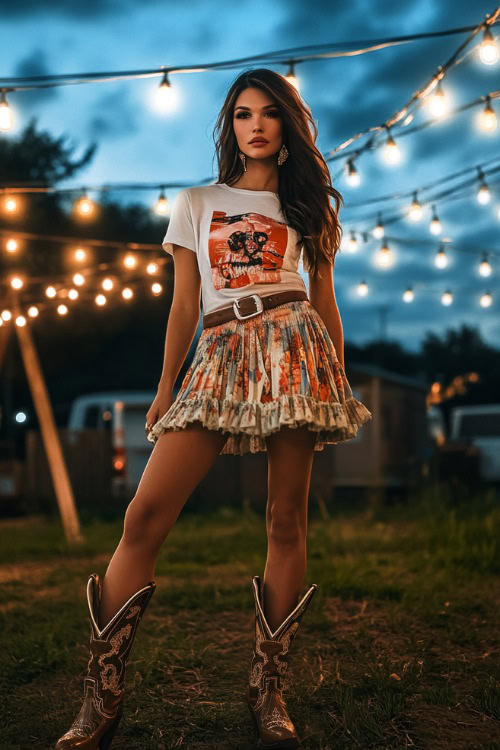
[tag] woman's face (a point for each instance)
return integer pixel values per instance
(257, 116)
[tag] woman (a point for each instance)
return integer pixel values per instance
(267, 374)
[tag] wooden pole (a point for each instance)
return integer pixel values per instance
(50, 436)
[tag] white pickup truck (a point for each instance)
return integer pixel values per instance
(480, 426)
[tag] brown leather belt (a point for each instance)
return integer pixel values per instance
(252, 304)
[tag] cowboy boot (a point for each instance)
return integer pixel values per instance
(268, 667)
(102, 707)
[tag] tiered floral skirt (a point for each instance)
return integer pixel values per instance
(249, 378)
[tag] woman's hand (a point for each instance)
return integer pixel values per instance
(162, 403)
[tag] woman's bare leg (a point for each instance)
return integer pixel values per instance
(290, 459)
(178, 462)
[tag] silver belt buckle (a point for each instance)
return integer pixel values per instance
(258, 303)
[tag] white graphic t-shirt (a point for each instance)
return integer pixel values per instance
(241, 240)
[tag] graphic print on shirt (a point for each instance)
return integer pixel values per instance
(246, 248)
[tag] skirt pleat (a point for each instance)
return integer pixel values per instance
(250, 378)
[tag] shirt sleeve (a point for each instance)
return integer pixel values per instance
(180, 229)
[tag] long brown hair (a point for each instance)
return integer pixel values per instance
(305, 185)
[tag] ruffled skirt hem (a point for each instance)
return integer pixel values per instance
(248, 424)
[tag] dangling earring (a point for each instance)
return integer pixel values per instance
(283, 155)
(243, 159)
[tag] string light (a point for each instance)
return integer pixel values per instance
(107, 284)
(441, 259)
(78, 279)
(152, 268)
(50, 291)
(6, 119)
(33, 311)
(6, 315)
(20, 320)
(84, 206)
(415, 211)
(73, 294)
(130, 261)
(485, 267)
(127, 293)
(11, 246)
(447, 297)
(408, 295)
(488, 50)
(483, 194)
(378, 231)
(291, 77)
(16, 282)
(165, 99)
(352, 175)
(161, 206)
(352, 244)
(486, 300)
(384, 258)
(438, 103)
(391, 152)
(487, 119)
(10, 205)
(156, 288)
(100, 300)
(362, 288)
(80, 255)
(62, 309)
(435, 227)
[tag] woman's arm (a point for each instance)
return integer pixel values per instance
(322, 298)
(184, 315)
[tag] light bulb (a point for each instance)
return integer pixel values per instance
(100, 300)
(352, 243)
(6, 120)
(378, 231)
(62, 309)
(33, 311)
(447, 298)
(392, 154)
(435, 227)
(80, 254)
(362, 289)
(152, 268)
(487, 119)
(11, 245)
(415, 211)
(107, 284)
(485, 300)
(10, 205)
(73, 293)
(16, 282)
(78, 279)
(384, 258)
(352, 175)
(291, 77)
(441, 259)
(483, 194)
(165, 97)
(161, 206)
(437, 103)
(84, 206)
(50, 291)
(127, 293)
(156, 288)
(130, 261)
(408, 295)
(488, 50)
(485, 268)
(20, 320)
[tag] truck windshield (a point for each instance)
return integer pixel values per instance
(480, 425)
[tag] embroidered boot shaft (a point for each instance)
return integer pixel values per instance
(268, 668)
(102, 707)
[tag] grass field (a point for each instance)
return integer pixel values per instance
(398, 649)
